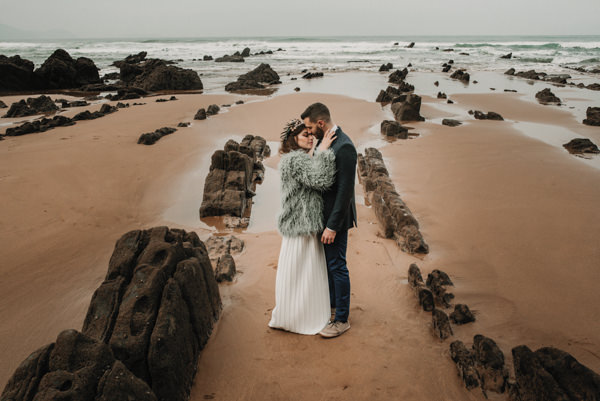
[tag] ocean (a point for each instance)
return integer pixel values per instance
(551, 54)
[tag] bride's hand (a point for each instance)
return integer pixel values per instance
(327, 140)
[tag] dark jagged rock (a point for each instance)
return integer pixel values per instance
(42, 125)
(131, 59)
(446, 67)
(394, 129)
(546, 96)
(424, 295)
(24, 382)
(580, 146)
(150, 138)
(441, 324)
(489, 116)
(32, 106)
(450, 122)
(594, 87)
(510, 71)
(507, 56)
(534, 383)
(592, 116)
(200, 114)
(462, 314)
(414, 276)
(437, 281)
(450, 101)
(407, 108)
(441, 95)
(239, 102)
(218, 246)
(411, 45)
(155, 75)
(230, 59)
(183, 125)
(212, 110)
(575, 379)
(87, 115)
(386, 67)
(231, 182)
(398, 76)
(16, 74)
(3, 105)
(246, 52)
(60, 71)
(489, 363)
(207, 58)
(127, 94)
(225, 270)
(312, 75)
(395, 217)
(76, 103)
(255, 79)
(391, 92)
(119, 384)
(461, 75)
(437, 83)
(465, 364)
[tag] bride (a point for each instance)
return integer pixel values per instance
(301, 286)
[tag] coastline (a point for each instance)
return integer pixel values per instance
(513, 218)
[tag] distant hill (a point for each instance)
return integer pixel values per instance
(8, 32)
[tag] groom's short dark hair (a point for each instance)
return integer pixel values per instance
(315, 112)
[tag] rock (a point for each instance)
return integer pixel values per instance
(223, 245)
(446, 68)
(155, 75)
(230, 59)
(386, 67)
(113, 76)
(507, 56)
(312, 75)
(183, 125)
(60, 71)
(441, 324)
(393, 129)
(263, 74)
(436, 83)
(398, 76)
(531, 74)
(546, 96)
(411, 45)
(212, 110)
(246, 52)
(40, 105)
(407, 108)
(462, 314)
(594, 87)
(200, 114)
(425, 298)
(489, 363)
(131, 59)
(593, 116)
(76, 103)
(297, 89)
(225, 270)
(489, 116)
(87, 115)
(150, 138)
(3, 105)
(128, 93)
(450, 122)
(119, 384)
(393, 214)
(461, 75)
(414, 276)
(16, 74)
(510, 71)
(239, 102)
(24, 382)
(533, 381)
(465, 363)
(580, 146)
(450, 101)
(437, 281)
(441, 95)
(207, 58)
(42, 125)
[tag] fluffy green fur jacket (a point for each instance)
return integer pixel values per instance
(303, 179)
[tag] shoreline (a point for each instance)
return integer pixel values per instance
(489, 198)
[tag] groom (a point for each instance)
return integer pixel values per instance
(339, 214)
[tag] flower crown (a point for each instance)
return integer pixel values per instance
(289, 128)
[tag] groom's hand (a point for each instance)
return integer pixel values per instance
(328, 236)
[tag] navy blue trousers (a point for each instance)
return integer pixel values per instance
(339, 278)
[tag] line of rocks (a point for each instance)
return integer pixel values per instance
(143, 332)
(231, 183)
(238, 57)
(150, 138)
(396, 220)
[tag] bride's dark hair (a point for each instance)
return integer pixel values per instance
(289, 143)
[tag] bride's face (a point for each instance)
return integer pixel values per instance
(305, 140)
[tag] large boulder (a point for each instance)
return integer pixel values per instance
(407, 108)
(155, 75)
(255, 79)
(580, 146)
(592, 116)
(60, 71)
(546, 96)
(16, 74)
(398, 76)
(393, 129)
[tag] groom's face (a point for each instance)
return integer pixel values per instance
(315, 128)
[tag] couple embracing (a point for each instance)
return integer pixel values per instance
(317, 168)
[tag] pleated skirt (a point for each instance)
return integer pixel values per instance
(301, 286)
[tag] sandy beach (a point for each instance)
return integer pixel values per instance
(508, 213)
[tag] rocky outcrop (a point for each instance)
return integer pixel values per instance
(507, 56)
(131, 59)
(386, 67)
(16, 74)
(143, 332)
(218, 245)
(461, 75)
(407, 107)
(212, 110)
(200, 114)
(393, 129)
(450, 122)
(465, 363)
(60, 71)
(88, 115)
(388, 95)
(225, 270)
(437, 281)
(546, 96)
(539, 76)
(150, 138)
(592, 116)
(398, 76)
(155, 75)
(32, 106)
(234, 173)
(442, 95)
(462, 314)
(230, 59)
(255, 79)
(580, 146)
(42, 125)
(395, 218)
(479, 115)
(127, 94)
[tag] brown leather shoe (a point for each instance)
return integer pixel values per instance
(335, 329)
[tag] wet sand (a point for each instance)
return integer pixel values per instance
(513, 220)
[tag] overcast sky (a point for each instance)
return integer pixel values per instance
(202, 18)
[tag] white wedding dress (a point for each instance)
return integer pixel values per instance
(301, 286)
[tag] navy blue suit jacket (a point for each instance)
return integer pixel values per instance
(339, 210)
